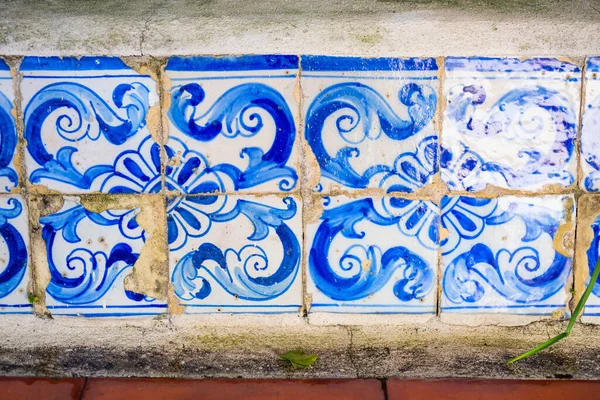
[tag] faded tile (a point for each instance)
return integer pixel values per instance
(590, 139)
(232, 124)
(89, 255)
(14, 260)
(370, 121)
(85, 126)
(373, 255)
(8, 131)
(236, 254)
(508, 255)
(510, 123)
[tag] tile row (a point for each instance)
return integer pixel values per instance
(232, 124)
(246, 254)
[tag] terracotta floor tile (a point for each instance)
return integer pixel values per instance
(224, 389)
(40, 388)
(491, 390)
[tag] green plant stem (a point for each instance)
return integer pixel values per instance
(574, 316)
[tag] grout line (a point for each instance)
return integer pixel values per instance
(83, 389)
(384, 388)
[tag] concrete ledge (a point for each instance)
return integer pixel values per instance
(369, 28)
(187, 347)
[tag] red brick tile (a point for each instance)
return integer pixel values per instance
(232, 389)
(40, 388)
(490, 389)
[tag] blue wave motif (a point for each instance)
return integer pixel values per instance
(80, 113)
(8, 141)
(593, 253)
(590, 145)
(360, 280)
(13, 273)
(96, 271)
(361, 104)
(234, 114)
(507, 273)
(235, 271)
(517, 276)
(506, 118)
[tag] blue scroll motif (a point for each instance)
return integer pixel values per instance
(358, 107)
(8, 141)
(593, 253)
(96, 271)
(13, 273)
(240, 272)
(78, 113)
(352, 280)
(236, 113)
(517, 275)
(506, 118)
(590, 144)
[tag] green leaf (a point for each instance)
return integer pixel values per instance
(299, 359)
(32, 298)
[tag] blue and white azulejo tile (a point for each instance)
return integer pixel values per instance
(8, 131)
(590, 128)
(14, 261)
(232, 124)
(85, 126)
(89, 255)
(373, 255)
(509, 123)
(507, 254)
(370, 122)
(236, 254)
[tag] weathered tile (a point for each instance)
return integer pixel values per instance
(14, 260)
(89, 255)
(508, 255)
(510, 123)
(590, 143)
(233, 253)
(8, 131)
(370, 121)
(588, 250)
(373, 255)
(232, 122)
(85, 125)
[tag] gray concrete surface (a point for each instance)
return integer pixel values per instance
(338, 27)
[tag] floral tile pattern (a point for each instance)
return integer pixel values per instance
(506, 254)
(89, 255)
(370, 121)
(232, 124)
(85, 126)
(8, 131)
(509, 123)
(236, 254)
(590, 142)
(14, 260)
(373, 255)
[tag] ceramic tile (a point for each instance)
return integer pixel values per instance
(14, 271)
(232, 124)
(509, 123)
(89, 255)
(373, 255)
(236, 254)
(8, 131)
(85, 126)
(590, 143)
(588, 250)
(506, 255)
(370, 121)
